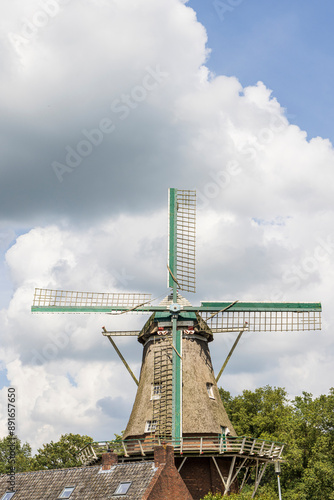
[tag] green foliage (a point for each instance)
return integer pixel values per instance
(212, 496)
(62, 454)
(116, 444)
(10, 447)
(260, 414)
(305, 424)
(313, 447)
(264, 493)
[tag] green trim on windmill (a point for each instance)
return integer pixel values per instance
(204, 307)
(177, 383)
(172, 250)
(183, 316)
(176, 334)
(261, 306)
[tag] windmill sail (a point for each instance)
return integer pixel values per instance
(70, 301)
(262, 316)
(182, 231)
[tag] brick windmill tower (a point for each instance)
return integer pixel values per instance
(177, 400)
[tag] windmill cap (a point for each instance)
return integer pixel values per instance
(190, 322)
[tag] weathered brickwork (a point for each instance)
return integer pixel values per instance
(167, 485)
(201, 476)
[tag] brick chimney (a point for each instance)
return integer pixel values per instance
(164, 454)
(108, 460)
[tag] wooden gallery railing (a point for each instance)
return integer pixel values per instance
(220, 445)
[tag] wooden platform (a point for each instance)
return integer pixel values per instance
(241, 446)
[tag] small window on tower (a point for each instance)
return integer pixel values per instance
(156, 391)
(209, 388)
(150, 426)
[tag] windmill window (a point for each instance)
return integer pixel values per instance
(151, 425)
(123, 488)
(156, 391)
(209, 388)
(8, 495)
(67, 492)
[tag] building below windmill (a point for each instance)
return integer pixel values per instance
(156, 479)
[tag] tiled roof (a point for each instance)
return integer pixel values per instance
(91, 483)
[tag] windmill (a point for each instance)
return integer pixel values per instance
(177, 399)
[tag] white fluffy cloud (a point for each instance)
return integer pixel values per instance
(265, 209)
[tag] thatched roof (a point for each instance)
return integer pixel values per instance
(201, 413)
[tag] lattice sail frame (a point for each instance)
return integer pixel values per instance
(102, 302)
(277, 319)
(182, 234)
(264, 321)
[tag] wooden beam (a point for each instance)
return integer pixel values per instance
(229, 355)
(123, 360)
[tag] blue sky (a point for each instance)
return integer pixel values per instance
(289, 45)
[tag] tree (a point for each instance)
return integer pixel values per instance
(305, 424)
(116, 444)
(263, 413)
(13, 454)
(314, 441)
(262, 494)
(62, 454)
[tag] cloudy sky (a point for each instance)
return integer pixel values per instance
(103, 106)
